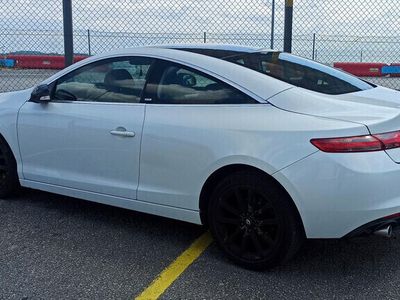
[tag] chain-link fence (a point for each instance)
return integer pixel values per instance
(349, 31)
(28, 28)
(328, 31)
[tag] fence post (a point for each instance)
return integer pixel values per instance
(313, 46)
(205, 37)
(287, 45)
(273, 24)
(68, 35)
(88, 41)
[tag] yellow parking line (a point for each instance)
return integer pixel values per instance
(176, 268)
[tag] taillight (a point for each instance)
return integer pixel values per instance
(390, 139)
(364, 143)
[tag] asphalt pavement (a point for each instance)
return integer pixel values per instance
(19, 79)
(56, 247)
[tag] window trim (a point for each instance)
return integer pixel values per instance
(156, 57)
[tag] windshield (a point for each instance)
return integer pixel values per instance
(293, 69)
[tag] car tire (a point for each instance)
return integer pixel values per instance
(9, 182)
(254, 221)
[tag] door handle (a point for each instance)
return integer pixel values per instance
(121, 131)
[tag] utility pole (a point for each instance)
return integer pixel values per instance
(68, 37)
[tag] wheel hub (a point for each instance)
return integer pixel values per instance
(248, 222)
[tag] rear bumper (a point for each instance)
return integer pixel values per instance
(374, 226)
(337, 194)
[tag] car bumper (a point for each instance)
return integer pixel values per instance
(337, 194)
(377, 226)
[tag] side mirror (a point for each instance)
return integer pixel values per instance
(41, 94)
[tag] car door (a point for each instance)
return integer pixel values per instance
(88, 136)
(192, 120)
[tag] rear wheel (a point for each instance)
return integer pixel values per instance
(8, 171)
(253, 221)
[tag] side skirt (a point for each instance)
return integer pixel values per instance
(186, 215)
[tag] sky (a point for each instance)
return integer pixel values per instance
(38, 23)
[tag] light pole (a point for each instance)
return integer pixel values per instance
(273, 24)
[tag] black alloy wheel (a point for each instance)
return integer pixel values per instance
(253, 221)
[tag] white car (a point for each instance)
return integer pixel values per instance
(264, 147)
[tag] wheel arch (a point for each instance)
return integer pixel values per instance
(4, 141)
(224, 171)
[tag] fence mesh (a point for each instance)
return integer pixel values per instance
(328, 31)
(349, 31)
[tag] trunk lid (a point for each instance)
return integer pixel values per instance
(377, 108)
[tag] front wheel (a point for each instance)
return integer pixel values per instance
(9, 182)
(253, 221)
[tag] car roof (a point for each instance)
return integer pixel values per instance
(222, 47)
(226, 47)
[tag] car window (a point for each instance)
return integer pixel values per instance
(114, 80)
(301, 72)
(295, 70)
(178, 84)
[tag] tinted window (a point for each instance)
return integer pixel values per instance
(177, 84)
(115, 80)
(295, 70)
(294, 73)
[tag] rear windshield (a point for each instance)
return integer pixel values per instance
(293, 69)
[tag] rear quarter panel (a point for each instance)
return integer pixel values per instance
(183, 145)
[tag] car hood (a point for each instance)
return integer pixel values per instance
(14, 99)
(377, 108)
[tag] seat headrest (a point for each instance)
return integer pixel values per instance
(170, 76)
(118, 78)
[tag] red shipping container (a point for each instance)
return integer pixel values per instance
(361, 69)
(41, 61)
